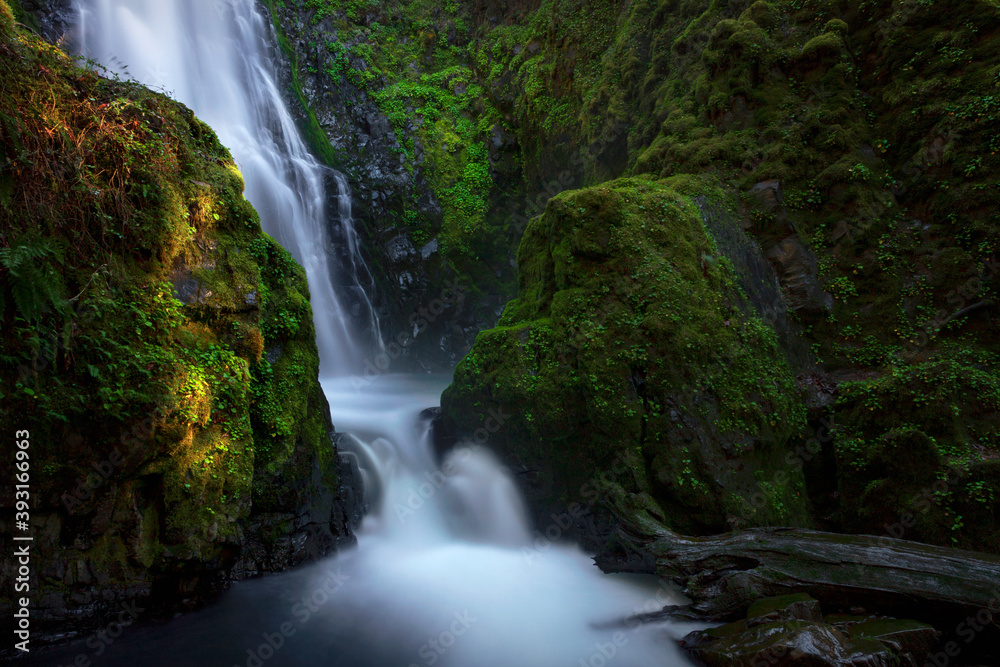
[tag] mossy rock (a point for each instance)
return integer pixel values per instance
(785, 607)
(137, 293)
(789, 643)
(630, 359)
(911, 641)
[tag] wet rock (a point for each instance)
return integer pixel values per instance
(791, 630)
(274, 354)
(189, 290)
(399, 247)
(791, 643)
(769, 196)
(910, 641)
(56, 19)
(797, 606)
(429, 249)
(797, 271)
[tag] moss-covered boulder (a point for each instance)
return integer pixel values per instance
(864, 136)
(157, 347)
(632, 363)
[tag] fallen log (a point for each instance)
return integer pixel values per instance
(725, 574)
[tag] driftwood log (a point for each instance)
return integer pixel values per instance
(723, 575)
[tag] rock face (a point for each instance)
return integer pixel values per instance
(632, 368)
(427, 192)
(158, 349)
(796, 266)
(54, 19)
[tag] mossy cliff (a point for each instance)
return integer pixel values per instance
(389, 97)
(157, 346)
(862, 136)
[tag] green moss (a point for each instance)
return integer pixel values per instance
(15, 12)
(917, 447)
(777, 604)
(627, 348)
(138, 294)
(881, 125)
(412, 61)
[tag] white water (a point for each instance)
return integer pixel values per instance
(216, 57)
(452, 540)
(447, 570)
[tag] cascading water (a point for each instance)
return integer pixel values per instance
(447, 570)
(216, 56)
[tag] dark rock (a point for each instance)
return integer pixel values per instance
(390, 185)
(910, 641)
(790, 630)
(274, 354)
(189, 290)
(429, 249)
(797, 271)
(56, 19)
(769, 196)
(797, 606)
(756, 276)
(785, 644)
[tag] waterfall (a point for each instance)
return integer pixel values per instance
(448, 570)
(217, 57)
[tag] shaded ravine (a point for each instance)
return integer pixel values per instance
(447, 569)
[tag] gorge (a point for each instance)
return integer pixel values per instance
(747, 252)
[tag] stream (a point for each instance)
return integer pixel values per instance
(447, 569)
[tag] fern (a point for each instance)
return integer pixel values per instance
(31, 278)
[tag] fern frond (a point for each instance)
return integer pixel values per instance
(34, 282)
